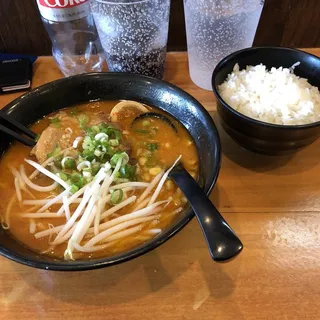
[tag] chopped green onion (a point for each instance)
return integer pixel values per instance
(83, 120)
(74, 188)
(74, 112)
(117, 134)
(54, 153)
(104, 142)
(57, 163)
(69, 163)
(114, 142)
(114, 133)
(63, 176)
(100, 136)
(103, 127)
(89, 156)
(77, 179)
(37, 138)
(55, 122)
(97, 153)
(111, 131)
(88, 144)
(111, 150)
(152, 146)
(83, 165)
(116, 196)
(119, 156)
(95, 168)
(142, 131)
(87, 174)
(128, 171)
(96, 129)
(90, 132)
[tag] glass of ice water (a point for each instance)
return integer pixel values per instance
(216, 28)
(133, 34)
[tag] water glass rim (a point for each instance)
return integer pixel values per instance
(123, 3)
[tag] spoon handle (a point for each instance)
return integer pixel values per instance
(222, 242)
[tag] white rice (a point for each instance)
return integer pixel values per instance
(277, 96)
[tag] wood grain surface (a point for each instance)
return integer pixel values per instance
(271, 202)
(293, 23)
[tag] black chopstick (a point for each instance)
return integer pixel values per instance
(18, 125)
(17, 128)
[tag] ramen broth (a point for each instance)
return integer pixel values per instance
(152, 145)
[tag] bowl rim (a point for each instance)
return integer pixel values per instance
(225, 61)
(82, 265)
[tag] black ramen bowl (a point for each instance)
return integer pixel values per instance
(260, 136)
(114, 86)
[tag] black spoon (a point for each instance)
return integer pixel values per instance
(222, 242)
(156, 116)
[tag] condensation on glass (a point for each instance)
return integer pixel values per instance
(133, 34)
(216, 28)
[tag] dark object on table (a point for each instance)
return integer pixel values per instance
(222, 242)
(15, 74)
(115, 86)
(260, 136)
(10, 56)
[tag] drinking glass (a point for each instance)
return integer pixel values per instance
(216, 28)
(133, 34)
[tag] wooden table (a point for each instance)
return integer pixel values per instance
(272, 203)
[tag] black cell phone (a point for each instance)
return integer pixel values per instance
(15, 75)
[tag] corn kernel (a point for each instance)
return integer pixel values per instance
(142, 161)
(154, 171)
(169, 184)
(146, 123)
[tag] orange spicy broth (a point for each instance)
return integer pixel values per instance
(170, 146)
